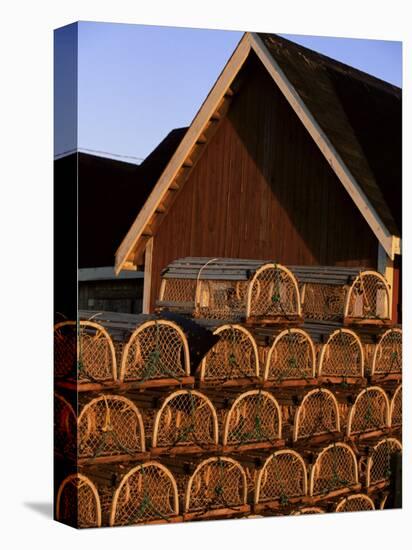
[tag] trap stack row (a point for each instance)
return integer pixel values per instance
(255, 390)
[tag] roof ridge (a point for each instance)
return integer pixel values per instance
(335, 64)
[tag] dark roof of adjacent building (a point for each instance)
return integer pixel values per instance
(110, 195)
(360, 114)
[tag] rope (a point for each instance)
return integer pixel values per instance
(219, 497)
(294, 364)
(283, 498)
(108, 432)
(258, 433)
(320, 423)
(146, 504)
(232, 360)
(154, 363)
(336, 480)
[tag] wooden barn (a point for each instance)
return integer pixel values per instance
(293, 157)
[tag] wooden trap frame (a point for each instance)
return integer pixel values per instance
(308, 510)
(233, 360)
(157, 349)
(253, 421)
(334, 472)
(146, 494)
(386, 357)
(396, 409)
(65, 427)
(291, 359)
(84, 351)
(281, 481)
(344, 294)
(186, 423)
(317, 417)
(78, 502)
(231, 289)
(110, 427)
(217, 488)
(369, 416)
(341, 358)
(368, 299)
(355, 503)
(378, 464)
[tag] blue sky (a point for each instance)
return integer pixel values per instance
(136, 82)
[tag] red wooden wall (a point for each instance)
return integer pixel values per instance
(262, 189)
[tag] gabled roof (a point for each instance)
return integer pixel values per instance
(354, 118)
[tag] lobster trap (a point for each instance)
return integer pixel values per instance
(146, 494)
(230, 289)
(335, 471)
(253, 421)
(317, 416)
(217, 487)
(83, 351)
(386, 355)
(291, 357)
(234, 358)
(379, 463)
(396, 408)
(369, 415)
(341, 357)
(355, 503)
(186, 422)
(347, 294)
(281, 481)
(110, 426)
(65, 427)
(156, 349)
(368, 299)
(78, 502)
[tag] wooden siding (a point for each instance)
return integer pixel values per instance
(262, 189)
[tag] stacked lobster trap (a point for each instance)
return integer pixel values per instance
(255, 389)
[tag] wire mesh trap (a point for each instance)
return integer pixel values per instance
(84, 351)
(218, 483)
(355, 503)
(110, 425)
(387, 354)
(156, 349)
(254, 419)
(369, 413)
(146, 494)
(292, 356)
(282, 479)
(378, 465)
(318, 414)
(342, 355)
(396, 408)
(368, 298)
(331, 293)
(186, 419)
(233, 357)
(78, 502)
(273, 292)
(335, 470)
(231, 289)
(65, 427)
